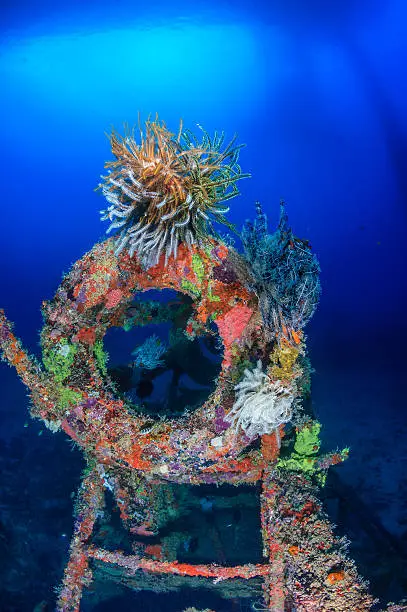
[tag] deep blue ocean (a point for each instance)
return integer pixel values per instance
(317, 91)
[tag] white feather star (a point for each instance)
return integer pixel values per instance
(261, 405)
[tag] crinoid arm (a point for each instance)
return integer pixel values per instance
(165, 190)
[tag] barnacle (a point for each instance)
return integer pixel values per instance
(164, 190)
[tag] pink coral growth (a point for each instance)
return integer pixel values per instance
(113, 298)
(231, 326)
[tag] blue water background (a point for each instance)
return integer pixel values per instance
(318, 92)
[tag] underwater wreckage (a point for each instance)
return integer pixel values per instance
(164, 194)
